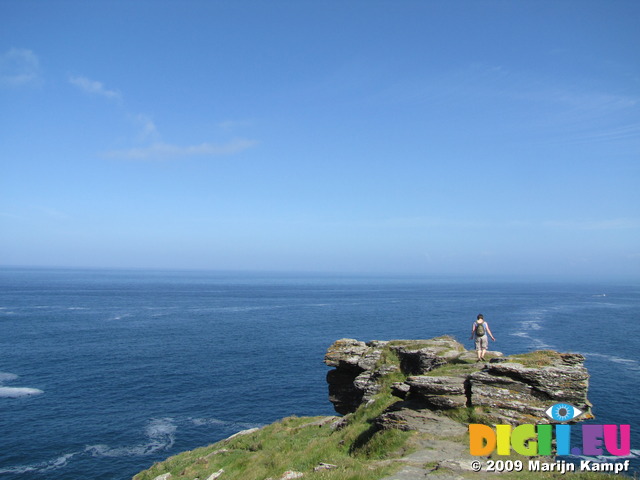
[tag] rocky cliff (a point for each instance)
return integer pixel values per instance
(406, 407)
(440, 375)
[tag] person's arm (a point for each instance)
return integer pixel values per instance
(473, 330)
(486, 325)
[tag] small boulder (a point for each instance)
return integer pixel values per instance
(290, 475)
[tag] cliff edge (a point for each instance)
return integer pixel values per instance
(406, 406)
(440, 374)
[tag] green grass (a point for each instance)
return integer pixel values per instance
(388, 357)
(359, 450)
(468, 415)
(539, 358)
(453, 369)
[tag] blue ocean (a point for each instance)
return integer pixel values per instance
(104, 372)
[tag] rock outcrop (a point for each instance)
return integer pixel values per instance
(358, 368)
(434, 388)
(439, 374)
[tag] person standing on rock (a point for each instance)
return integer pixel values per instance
(479, 330)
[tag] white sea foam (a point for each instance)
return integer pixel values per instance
(519, 334)
(250, 309)
(531, 325)
(199, 422)
(15, 392)
(540, 345)
(6, 377)
(47, 466)
(628, 363)
(532, 321)
(160, 433)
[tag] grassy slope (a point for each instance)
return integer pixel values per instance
(300, 444)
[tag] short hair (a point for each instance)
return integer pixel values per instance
(480, 316)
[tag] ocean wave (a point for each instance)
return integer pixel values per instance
(251, 308)
(531, 325)
(236, 309)
(6, 377)
(198, 422)
(536, 342)
(47, 466)
(629, 363)
(530, 322)
(160, 434)
(15, 392)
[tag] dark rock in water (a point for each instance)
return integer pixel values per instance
(516, 389)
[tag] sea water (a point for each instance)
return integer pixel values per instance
(104, 372)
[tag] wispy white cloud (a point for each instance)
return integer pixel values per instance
(94, 87)
(610, 224)
(10, 215)
(147, 130)
(620, 133)
(163, 151)
(19, 67)
(562, 111)
(233, 124)
(148, 135)
(53, 213)
(471, 224)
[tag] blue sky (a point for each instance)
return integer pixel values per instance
(417, 137)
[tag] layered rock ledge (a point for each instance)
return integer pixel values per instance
(440, 374)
